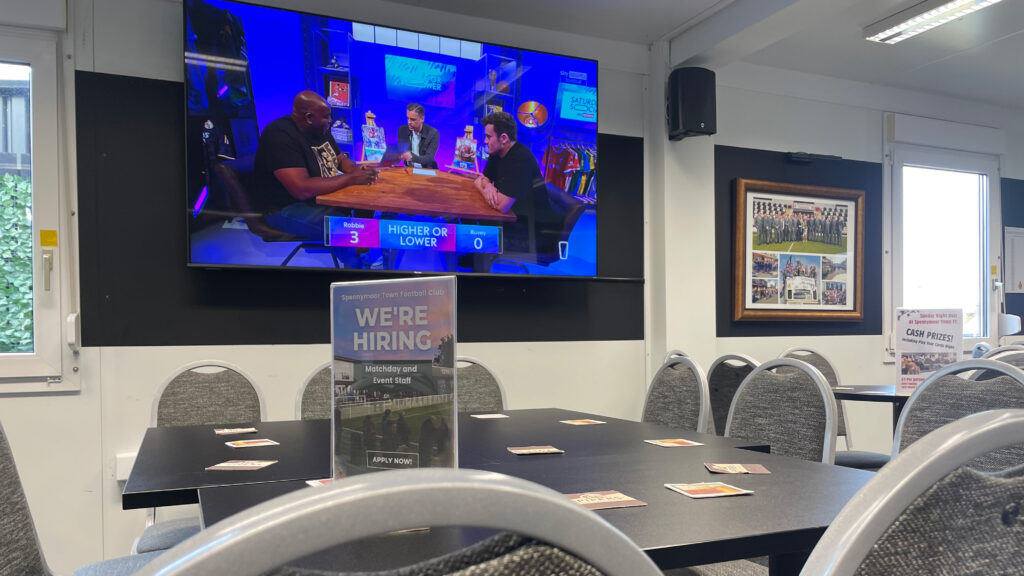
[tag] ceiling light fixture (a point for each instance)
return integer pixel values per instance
(921, 17)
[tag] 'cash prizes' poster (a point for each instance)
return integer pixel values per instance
(393, 393)
(926, 341)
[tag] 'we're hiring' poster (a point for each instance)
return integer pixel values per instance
(393, 383)
(926, 341)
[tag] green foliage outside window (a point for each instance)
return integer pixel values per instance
(15, 264)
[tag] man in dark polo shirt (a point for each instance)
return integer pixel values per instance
(297, 160)
(512, 170)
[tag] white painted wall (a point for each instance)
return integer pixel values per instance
(47, 14)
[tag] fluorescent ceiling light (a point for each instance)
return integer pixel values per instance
(921, 17)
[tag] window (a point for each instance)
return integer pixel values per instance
(946, 239)
(30, 266)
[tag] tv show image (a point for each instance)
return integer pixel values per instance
(316, 142)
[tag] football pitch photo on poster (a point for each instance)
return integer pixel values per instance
(799, 252)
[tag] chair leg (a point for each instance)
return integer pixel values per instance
(298, 247)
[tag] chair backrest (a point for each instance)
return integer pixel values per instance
(1001, 349)
(792, 410)
(925, 512)
(19, 546)
(672, 354)
(1012, 357)
(724, 378)
(298, 524)
(235, 179)
(479, 389)
(945, 396)
(678, 396)
(313, 401)
(819, 361)
(207, 392)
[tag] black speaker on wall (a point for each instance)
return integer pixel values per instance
(690, 103)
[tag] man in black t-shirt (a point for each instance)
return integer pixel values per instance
(297, 160)
(512, 170)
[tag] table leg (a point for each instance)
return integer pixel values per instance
(787, 564)
(897, 409)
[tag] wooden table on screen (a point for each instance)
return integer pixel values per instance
(402, 191)
(874, 394)
(784, 519)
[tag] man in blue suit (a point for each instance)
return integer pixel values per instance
(422, 139)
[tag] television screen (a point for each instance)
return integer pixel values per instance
(317, 142)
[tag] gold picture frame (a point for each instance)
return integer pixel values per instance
(799, 252)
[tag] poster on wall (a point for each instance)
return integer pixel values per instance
(393, 382)
(926, 341)
(799, 252)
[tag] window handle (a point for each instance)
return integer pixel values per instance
(47, 268)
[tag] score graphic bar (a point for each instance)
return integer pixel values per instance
(406, 235)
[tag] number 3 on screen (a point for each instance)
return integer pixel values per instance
(354, 239)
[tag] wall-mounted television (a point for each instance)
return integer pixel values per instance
(318, 142)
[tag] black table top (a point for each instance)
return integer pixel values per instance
(171, 463)
(868, 393)
(788, 512)
(486, 441)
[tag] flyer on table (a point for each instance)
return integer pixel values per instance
(393, 393)
(926, 341)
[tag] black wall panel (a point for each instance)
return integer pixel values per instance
(1012, 192)
(732, 163)
(137, 291)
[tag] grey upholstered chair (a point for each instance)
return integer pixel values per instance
(479, 389)
(1012, 356)
(724, 378)
(927, 512)
(314, 398)
(850, 458)
(204, 392)
(672, 354)
(1001, 349)
(297, 524)
(791, 410)
(946, 396)
(678, 396)
(20, 553)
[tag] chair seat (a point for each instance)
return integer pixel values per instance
(167, 534)
(861, 460)
(122, 566)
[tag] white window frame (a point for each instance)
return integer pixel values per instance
(42, 370)
(963, 148)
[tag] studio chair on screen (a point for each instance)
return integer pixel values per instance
(850, 458)
(479, 389)
(724, 378)
(561, 537)
(235, 178)
(947, 396)
(929, 512)
(313, 401)
(552, 241)
(678, 396)
(205, 392)
(20, 553)
(792, 410)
